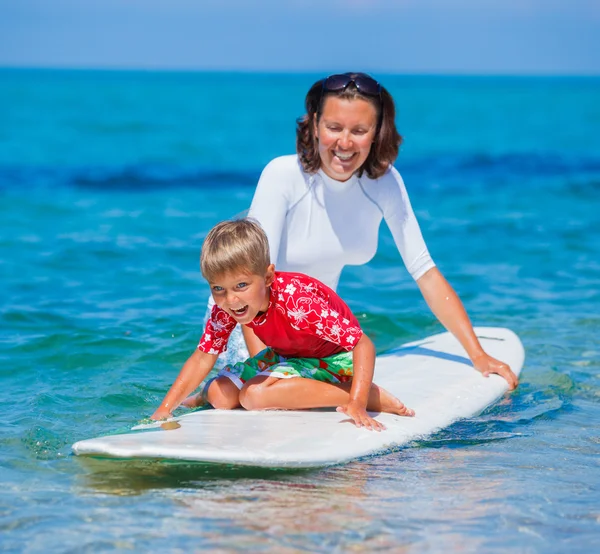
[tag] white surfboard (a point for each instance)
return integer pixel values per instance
(433, 376)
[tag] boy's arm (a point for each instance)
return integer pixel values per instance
(363, 361)
(191, 375)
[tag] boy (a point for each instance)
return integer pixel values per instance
(317, 354)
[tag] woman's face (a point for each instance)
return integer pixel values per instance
(345, 132)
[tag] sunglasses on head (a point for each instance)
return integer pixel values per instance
(363, 83)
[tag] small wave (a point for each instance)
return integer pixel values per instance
(507, 166)
(451, 440)
(127, 178)
(576, 171)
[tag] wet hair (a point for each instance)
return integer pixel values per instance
(384, 150)
(234, 245)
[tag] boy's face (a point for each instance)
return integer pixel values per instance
(242, 294)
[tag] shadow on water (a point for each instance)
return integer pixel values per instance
(133, 477)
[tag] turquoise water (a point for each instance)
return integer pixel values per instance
(108, 184)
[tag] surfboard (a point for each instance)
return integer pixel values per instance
(433, 376)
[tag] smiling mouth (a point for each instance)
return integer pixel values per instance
(343, 157)
(240, 311)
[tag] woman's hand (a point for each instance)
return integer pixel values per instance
(360, 416)
(487, 365)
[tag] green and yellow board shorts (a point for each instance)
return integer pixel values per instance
(333, 369)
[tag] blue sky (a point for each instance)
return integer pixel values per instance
(392, 36)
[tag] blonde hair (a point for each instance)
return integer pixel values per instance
(234, 245)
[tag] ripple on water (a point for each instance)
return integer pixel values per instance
(43, 443)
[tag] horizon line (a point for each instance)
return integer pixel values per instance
(278, 71)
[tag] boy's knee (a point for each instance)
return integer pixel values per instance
(252, 397)
(223, 395)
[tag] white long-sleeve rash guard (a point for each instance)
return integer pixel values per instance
(317, 225)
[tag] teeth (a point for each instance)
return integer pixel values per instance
(343, 157)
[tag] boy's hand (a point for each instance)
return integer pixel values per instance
(360, 416)
(485, 364)
(160, 414)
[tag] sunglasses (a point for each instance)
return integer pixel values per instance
(363, 83)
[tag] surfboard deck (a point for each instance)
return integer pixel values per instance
(433, 376)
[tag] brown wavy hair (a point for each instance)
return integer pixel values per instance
(386, 145)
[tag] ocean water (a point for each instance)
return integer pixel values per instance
(108, 184)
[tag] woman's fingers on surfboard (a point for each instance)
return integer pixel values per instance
(361, 418)
(488, 365)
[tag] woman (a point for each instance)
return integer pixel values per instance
(322, 208)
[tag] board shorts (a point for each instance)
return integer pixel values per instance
(333, 369)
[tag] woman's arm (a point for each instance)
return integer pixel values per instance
(191, 375)
(439, 295)
(447, 307)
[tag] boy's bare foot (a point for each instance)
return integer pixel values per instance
(193, 401)
(391, 405)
